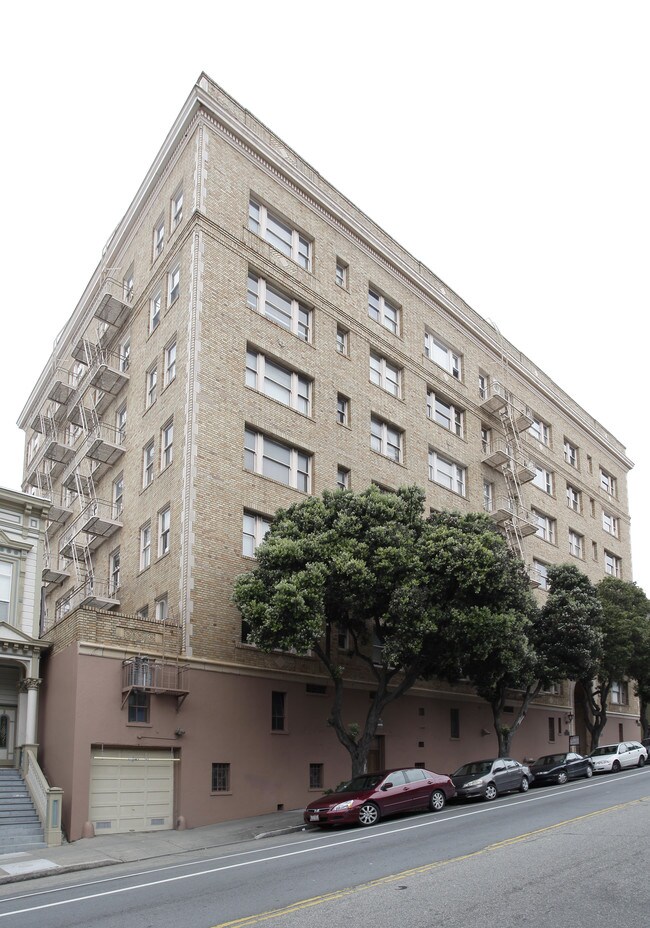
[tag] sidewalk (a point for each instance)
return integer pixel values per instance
(106, 850)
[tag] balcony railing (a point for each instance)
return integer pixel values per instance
(495, 398)
(154, 675)
(91, 594)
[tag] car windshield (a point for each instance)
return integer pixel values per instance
(606, 749)
(365, 781)
(478, 766)
(550, 759)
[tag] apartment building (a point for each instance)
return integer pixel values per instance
(250, 338)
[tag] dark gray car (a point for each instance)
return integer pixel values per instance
(558, 768)
(487, 778)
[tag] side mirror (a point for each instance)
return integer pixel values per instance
(387, 786)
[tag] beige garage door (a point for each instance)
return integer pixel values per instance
(131, 790)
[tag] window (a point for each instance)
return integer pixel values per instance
(573, 498)
(162, 609)
(442, 355)
(174, 285)
(488, 495)
(166, 445)
(486, 439)
(575, 544)
(143, 612)
(551, 728)
(613, 565)
(342, 336)
(447, 415)
(341, 273)
(343, 478)
(120, 424)
(342, 409)
(590, 464)
(170, 363)
(278, 708)
(254, 532)
(384, 374)
(289, 241)
(176, 210)
(221, 778)
(545, 526)
(125, 354)
(543, 479)
(594, 550)
(164, 531)
(607, 482)
(127, 286)
(155, 307)
(315, 776)
(384, 312)
(447, 473)
(118, 496)
(6, 577)
(483, 385)
(385, 439)
(152, 386)
(278, 382)
(280, 308)
(541, 574)
(454, 723)
(343, 639)
(540, 431)
(147, 464)
(159, 238)
(114, 571)
(570, 453)
(264, 455)
(138, 710)
(610, 524)
(619, 695)
(145, 546)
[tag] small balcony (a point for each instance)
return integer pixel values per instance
(496, 397)
(525, 522)
(107, 373)
(501, 509)
(62, 387)
(113, 309)
(105, 444)
(91, 594)
(525, 469)
(522, 416)
(496, 453)
(154, 675)
(55, 571)
(100, 518)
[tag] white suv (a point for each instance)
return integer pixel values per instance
(613, 757)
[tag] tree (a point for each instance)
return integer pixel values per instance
(369, 566)
(624, 619)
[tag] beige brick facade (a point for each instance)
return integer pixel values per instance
(218, 157)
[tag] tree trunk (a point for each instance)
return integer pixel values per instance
(505, 733)
(595, 703)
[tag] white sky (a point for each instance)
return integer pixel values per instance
(505, 144)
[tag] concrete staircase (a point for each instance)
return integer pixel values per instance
(20, 828)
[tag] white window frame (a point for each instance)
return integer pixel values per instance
(342, 409)
(541, 571)
(114, 567)
(167, 444)
(619, 694)
(486, 439)
(342, 341)
(483, 385)
(383, 311)
(120, 423)
(118, 496)
(385, 374)
(576, 544)
(176, 210)
(7, 589)
(610, 524)
(170, 363)
(540, 431)
(145, 546)
(127, 286)
(488, 496)
(294, 244)
(152, 386)
(342, 478)
(341, 274)
(570, 453)
(148, 459)
(455, 417)
(386, 439)
(256, 445)
(254, 528)
(161, 608)
(543, 479)
(259, 368)
(573, 498)
(125, 354)
(164, 531)
(441, 354)
(155, 311)
(607, 482)
(613, 565)
(159, 238)
(454, 480)
(546, 526)
(173, 285)
(300, 316)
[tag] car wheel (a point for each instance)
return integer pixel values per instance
(641, 761)
(491, 791)
(589, 772)
(616, 767)
(523, 786)
(368, 814)
(437, 801)
(562, 776)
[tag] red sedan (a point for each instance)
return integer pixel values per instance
(371, 796)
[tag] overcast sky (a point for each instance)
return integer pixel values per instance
(505, 144)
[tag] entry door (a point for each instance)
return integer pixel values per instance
(7, 735)
(375, 760)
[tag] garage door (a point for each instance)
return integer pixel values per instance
(131, 790)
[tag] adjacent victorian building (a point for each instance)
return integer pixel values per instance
(250, 338)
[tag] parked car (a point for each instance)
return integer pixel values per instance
(614, 757)
(371, 796)
(646, 744)
(488, 778)
(558, 768)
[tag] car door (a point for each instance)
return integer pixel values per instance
(624, 755)
(420, 788)
(575, 765)
(633, 753)
(396, 796)
(500, 775)
(515, 774)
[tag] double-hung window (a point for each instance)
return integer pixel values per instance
(174, 285)
(170, 363)
(342, 409)
(442, 355)
(570, 453)
(274, 459)
(114, 571)
(541, 574)
(155, 306)
(6, 579)
(445, 413)
(607, 482)
(279, 307)
(152, 386)
(543, 479)
(610, 524)
(383, 311)
(147, 464)
(573, 498)
(341, 273)
(576, 544)
(343, 478)
(447, 473)
(167, 444)
(386, 439)
(120, 424)
(278, 382)
(145, 546)
(488, 496)
(127, 286)
(176, 209)
(118, 496)
(164, 531)
(342, 336)
(254, 532)
(545, 526)
(159, 238)
(540, 431)
(612, 565)
(280, 234)
(385, 374)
